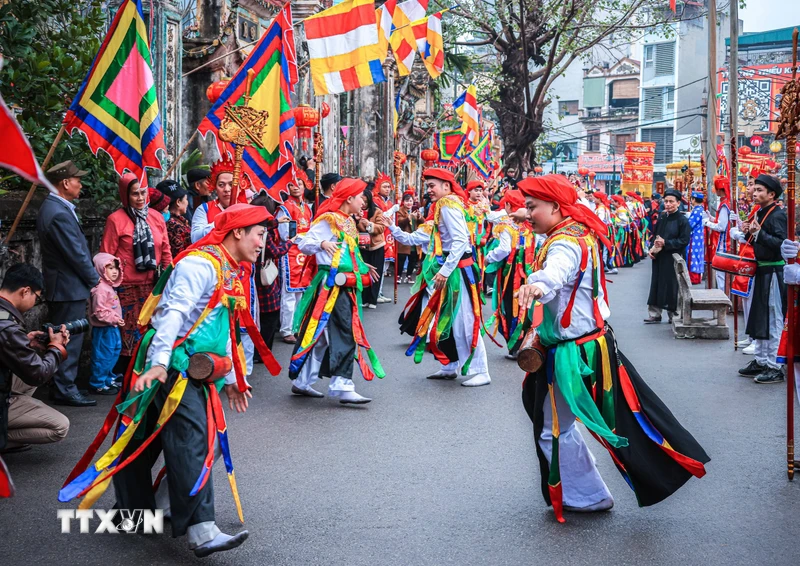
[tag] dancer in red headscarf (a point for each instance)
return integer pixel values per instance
(584, 376)
(444, 312)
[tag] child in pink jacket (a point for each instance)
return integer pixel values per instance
(105, 316)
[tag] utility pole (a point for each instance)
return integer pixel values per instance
(733, 94)
(711, 101)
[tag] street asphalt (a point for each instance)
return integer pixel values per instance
(434, 473)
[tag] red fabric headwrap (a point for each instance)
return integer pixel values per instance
(345, 189)
(556, 188)
(513, 197)
(618, 199)
(602, 196)
(445, 175)
(239, 215)
(476, 184)
(635, 196)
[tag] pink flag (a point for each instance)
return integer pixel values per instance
(17, 154)
(345, 129)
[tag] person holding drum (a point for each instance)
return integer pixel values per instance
(765, 323)
(720, 227)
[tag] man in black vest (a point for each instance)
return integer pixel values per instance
(69, 273)
(765, 323)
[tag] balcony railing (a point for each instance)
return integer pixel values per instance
(607, 113)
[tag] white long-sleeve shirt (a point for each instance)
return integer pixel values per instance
(200, 224)
(311, 242)
(416, 238)
(503, 249)
(183, 300)
(557, 279)
(455, 237)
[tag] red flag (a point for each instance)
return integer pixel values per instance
(672, 6)
(17, 154)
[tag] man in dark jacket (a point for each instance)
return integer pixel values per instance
(765, 323)
(69, 273)
(199, 189)
(23, 355)
(672, 235)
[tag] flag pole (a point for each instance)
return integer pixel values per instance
(178, 157)
(32, 190)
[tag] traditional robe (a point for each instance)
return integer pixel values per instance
(675, 230)
(695, 253)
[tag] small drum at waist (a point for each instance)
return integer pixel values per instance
(364, 239)
(734, 264)
(349, 280)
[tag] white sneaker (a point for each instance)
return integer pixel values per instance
(352, 398)
(744, 343)
(373, 306)
(750, 350)
(382, 299)
(477, 380)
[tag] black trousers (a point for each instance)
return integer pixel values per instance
(184, 441)
(59, 313)
(412, 263)
(340, 354)
(374, 258)
(270, 323)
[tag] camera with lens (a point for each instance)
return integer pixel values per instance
(78, 326)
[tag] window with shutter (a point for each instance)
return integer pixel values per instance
(648, 56)
(662, 137)
(665, 59)
(653, 103)
(593, 141)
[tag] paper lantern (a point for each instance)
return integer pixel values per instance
(775, 147)
(744, 169)
(305, 118)
(583, 171)
(756, 141)
(592, 174)
(429, 156)
(215, 90)
(326, 109)
(744, 150)
(538, 169)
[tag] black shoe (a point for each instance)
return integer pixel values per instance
(76, 400)
(771, 375)
(753, 369)
(652, 320)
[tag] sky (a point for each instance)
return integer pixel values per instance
(762, 15)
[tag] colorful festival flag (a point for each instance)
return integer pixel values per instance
(17, 154)
(116, 106)
(409, 29)
(274, 63)
(480, 158)
(344, 48)
(432, 51)
(466, 107)
(384, 15)
(449, 144)
(396, 112)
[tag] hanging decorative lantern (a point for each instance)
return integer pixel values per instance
(538, 169)
(756, 141)
(326, 109)
(592, 175)
(755, 172)
(305, 118)
(775, 147)
(583, 171)
(429, 156)
(400, 157)
(215, 90)
(745, 150)
(744, 169)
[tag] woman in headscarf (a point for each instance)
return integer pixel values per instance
(137, 235)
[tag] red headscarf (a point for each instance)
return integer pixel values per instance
(475, 184)
(556, 188)
(125, 183)
(635, 196)
(513, 197)
(602, 196)
(721, 182)
(345, 189)
(237, 215)
(618, 199)
(445, 175)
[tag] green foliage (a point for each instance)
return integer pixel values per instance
(49, 46)
(192, 161)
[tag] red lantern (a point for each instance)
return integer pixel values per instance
(326, 109)
(592, 174)
(744, 150)
(305, 118)
(583, 171)
(400, 157)
(429, 156)
(756, 141)
(538, 169)
(755, 172)
(215, 90)
(744, 169)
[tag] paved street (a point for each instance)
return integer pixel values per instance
(434, 473)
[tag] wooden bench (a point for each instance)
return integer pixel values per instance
(689, 300)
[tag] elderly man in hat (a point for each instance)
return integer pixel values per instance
(766, 233)
(199, 189)
(69, 273)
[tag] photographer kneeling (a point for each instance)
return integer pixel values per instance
(29, 359)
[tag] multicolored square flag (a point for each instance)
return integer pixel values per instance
(450, 145)
(481, 157)
(116, 106)
(344, 48)
(274, 63)
(408, 36)
(432, 50)
(466, 107)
